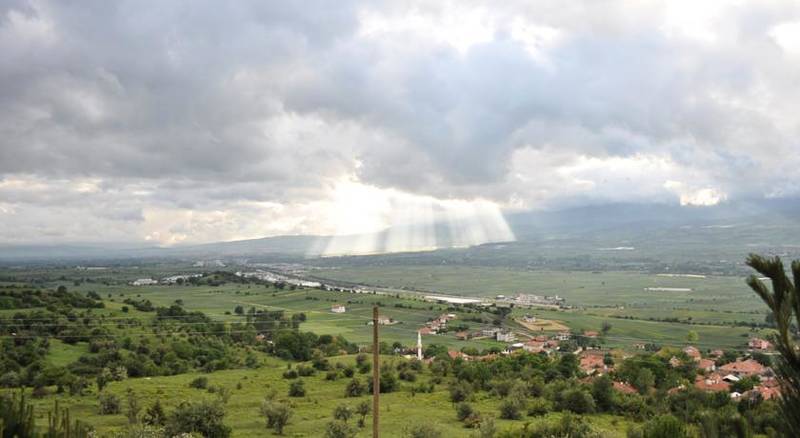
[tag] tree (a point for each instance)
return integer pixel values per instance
(276, 413)
(579, 401)
(109, 404)
(154, 415)
(134, 408)
(239, 310)
(605, 328)
(603, 393)
(103, 377)
(644, 380)
(692, 336)
(783, 301)
(363, 409)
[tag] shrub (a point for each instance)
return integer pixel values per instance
(339, 429)
(290, 374)
(459, 392)
(510, 410)
(109, 404)
(199, 383)
(304, 371)
(664, 426)
(297, 389)
(204, 418)
(154, 415)
(354, 388)
(342, 412)
(539, 406)
(463, 410)
(277, 414)
(422, 431)
(579, 401)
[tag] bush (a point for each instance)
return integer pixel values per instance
(664, 426)
(109, 404)
(304, 371)
(277, 414)
(459, 392)
(10, 380)
(579, 401)
(422, 431)
(510, 410)
(539, 406)
(297, 389)
(199, 383)
(354, 388)
(290, 374)
(339, 429)
(204, 418)
(463, 410)
(342, 412)
(154, 415)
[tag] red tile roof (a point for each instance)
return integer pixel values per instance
(624, 388)
(743, 367)
(711, 383)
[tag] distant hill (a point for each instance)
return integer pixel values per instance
(620, 231)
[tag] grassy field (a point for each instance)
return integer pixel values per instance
(399, 409)
(316, 304)
(710, 299)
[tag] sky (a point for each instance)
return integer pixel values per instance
(179, 122)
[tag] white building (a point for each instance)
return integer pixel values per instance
(506, 336)
(144, 282)
(338, 308)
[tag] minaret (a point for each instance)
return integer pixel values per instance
(419, 346)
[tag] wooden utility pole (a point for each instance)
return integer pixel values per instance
(376, 379)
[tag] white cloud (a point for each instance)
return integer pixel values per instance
(262, 118)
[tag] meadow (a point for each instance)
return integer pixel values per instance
(399, 409)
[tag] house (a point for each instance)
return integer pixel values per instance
(707, 365)
(711, 382)
(591, 334)
(490, 332)
(693, 353)
(674, 362)
(383, 320)
(716, 353)
(529, 318)
(515, 347)
(504, 336)
(338, 308)
(759, 344)
(462, 336)
(562, 336)
(768, 389)
(730, 378)
(592, 363)
(741, 368)
(534, 346)
(457, 354)
(426, 331)
(144, 282)
(624, 388)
